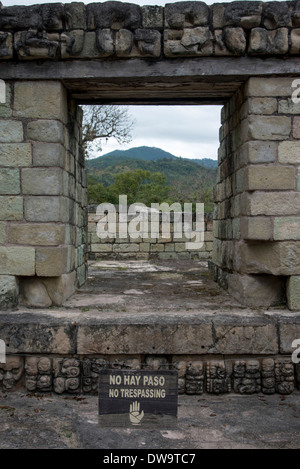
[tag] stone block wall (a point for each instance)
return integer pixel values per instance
(42, 195)
(196, 376)
(124, 30)
(163, 248)
(257, 216)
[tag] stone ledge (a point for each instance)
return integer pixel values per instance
(63, 350)
(60, 332)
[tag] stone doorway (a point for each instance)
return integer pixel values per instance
(241, 55)
(256, 196)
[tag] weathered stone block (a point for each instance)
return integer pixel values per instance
(40, 181)
(33, 44)
(255, 337)
(182, 15)
(124, 42)
(180, 247)
(11, 208)
(53, 16)
(49, 335)
(268, 177)
(52, 261)
(152, 17)
(221, 49)
(295, 41)
(293, 294)
(256, 228)
(96, 336)
(21, 17)
(37, 234)
(256, 290)
(48, 154)
(60, 288)
(9, 181)
(235, 40)
(262, 105)
(259, 152)
(194, 42)
(49, 131)
(246, 14)
(105, 42)
(286, 228)
(114, 15)
(263, 42)
(48, 208)
(132, 247)
(269, 127)
(11, 131)
(276, 14)
(284, 375)
(157, 248)
(33, 293)
(9, 292)
(40, 100)
(75, 15)
(101, 247)
(289, 330)
(279, 86)
(287, 106)
(149, 42)
(270, 203)
(275, 258)
(17, 260)
(6, 45)
(15, 154)
(289, 152)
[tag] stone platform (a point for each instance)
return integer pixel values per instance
(155, 315)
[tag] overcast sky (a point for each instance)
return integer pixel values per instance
(187, 131)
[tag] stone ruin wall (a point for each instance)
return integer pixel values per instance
(124, 30)
(43, 215)
(196, 375)
(257, 196)
(141, 248)
(43, 196)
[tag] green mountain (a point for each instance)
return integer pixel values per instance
(207, 162)
(141, 153)
(186, 180)
(144, 153)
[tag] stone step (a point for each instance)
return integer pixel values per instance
(70, 332)
(62, 351)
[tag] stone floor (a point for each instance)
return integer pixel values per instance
(175, 303)
(144, 286)
(169, 302)
(29, 421)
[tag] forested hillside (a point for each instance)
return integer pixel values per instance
(159, 175)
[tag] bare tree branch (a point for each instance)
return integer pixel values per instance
(103, 122)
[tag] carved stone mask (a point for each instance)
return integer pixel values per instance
(11, 372)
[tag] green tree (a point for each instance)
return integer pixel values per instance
(140, 186)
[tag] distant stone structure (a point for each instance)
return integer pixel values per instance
(54, 57)
(142, 247)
